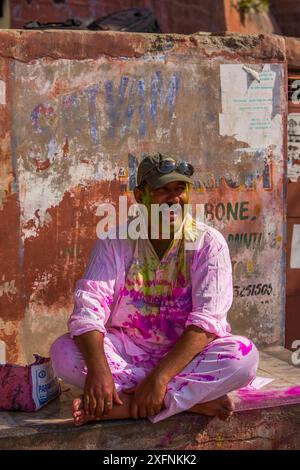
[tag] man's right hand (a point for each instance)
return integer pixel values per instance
(100, 392)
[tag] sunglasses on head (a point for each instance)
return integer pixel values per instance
(168, 166)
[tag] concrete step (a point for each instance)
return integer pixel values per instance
(265, 419)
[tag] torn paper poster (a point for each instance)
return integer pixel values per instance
(2, 92)
(293, 166)
(253, 73)
(251, 103)
(295, 248)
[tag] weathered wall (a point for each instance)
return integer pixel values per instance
(77, 108)
(293, 52)
(292, 330)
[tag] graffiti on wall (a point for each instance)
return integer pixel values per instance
(112, 110)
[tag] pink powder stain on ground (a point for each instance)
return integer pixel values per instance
(256, 396)
(293, 390)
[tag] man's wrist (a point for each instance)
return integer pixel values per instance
(161, 377)
(98, 363)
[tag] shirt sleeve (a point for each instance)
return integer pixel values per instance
(212, 291)
(93, 294)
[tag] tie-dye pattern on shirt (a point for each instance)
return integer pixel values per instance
(156, 298)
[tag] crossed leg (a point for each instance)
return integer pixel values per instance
(222, 407)
(202, 387)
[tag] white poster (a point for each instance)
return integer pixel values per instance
(251, 103)
(293, 166)
(2, 92)
(295, 249)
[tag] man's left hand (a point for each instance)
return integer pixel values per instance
(148, 397)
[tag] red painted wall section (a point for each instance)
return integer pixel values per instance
(11, 277)
(287, 15)
(78, 111)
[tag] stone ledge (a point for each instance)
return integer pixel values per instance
(275, 428)
(26, 45)
(271, 421)
(293, 51)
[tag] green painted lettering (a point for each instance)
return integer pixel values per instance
(232, 212)
(244, 208)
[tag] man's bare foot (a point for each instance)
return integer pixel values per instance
(78, 413)
(119, 411)
(222, 407)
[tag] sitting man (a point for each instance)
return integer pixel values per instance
(148, 336)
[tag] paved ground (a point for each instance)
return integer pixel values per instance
(265, 419)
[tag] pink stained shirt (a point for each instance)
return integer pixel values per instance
(100, 304)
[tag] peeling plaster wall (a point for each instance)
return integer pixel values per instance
(81, 109)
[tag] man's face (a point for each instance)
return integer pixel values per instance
(172, 194)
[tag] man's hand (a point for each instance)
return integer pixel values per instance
(99, 393)
(99, 389)
(148, 398)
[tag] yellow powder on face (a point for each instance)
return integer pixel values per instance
(146, 197)
(147, 200)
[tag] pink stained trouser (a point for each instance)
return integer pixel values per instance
(225, 365)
